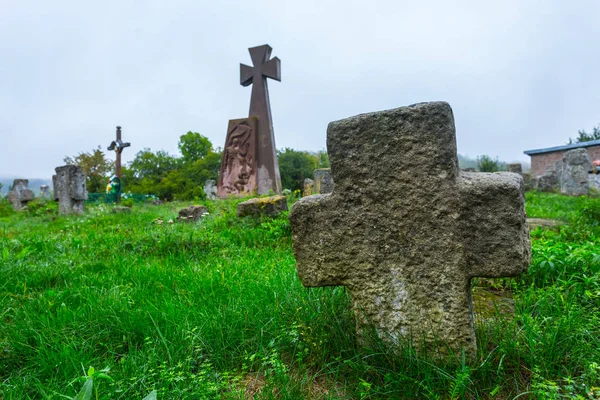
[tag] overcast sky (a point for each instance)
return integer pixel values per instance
(518, 74)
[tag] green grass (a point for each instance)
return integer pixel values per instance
(215, 310)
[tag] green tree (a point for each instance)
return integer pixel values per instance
(294, 167)
(193, 146)
(583, 136)
(485, 163)
(96, 167)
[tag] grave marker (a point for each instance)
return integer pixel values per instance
(405, 231)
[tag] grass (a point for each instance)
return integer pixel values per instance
(215, 310)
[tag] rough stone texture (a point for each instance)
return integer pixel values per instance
(516, 167)
(309, 187)
(323, 180)
(570, 175)
(469, 169)
(121, 210)
(210, 189)
(192, 213)
(45, 192)
(575, 170)
(70, 189)
(419, 229)
(594, 181)
(20, 194)
(268, 206)
(527, 181)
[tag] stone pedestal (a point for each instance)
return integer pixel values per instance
(70, 189)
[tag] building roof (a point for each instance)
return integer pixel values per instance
(591, 143)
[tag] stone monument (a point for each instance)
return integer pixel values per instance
(70, 189)
(323, 180)
(254, 167)
(117, 145)
(45, 192)
(570, 175)
(20, 194)
(210, 189)
(405, 231)
(514, 167)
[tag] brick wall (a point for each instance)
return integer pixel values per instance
(541, 162)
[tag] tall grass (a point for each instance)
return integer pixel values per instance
(215, 310)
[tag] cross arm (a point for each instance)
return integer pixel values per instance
(317, 235)
(493, 224)
(246, 74)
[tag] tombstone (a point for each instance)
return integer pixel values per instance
(323, 180)
(515, 167)
(570, 175)
(249, 154)
(262, 206)
(405, 231)
(210, 189)
(70, 189)
(20, 194)
(45, 192)
(309, 187)
(576, 165)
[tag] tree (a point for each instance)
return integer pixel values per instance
(193, 146)
(294, 167)
(583, 136)
(485, 163)
(95, 166)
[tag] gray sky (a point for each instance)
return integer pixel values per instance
(518, 74)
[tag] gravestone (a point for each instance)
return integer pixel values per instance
(20, 194)
(45, 192)
(570, 175)
(70, 189)
(405, 231)
(262, 206)
(309, 187)
(256, 168)
(515, 167)
(576, 165)
(323, 180)
(192, 213)
(210, 189)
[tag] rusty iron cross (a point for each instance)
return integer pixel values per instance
(263, 67)
(118, 146)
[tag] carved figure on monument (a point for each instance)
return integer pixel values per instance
(238, 167)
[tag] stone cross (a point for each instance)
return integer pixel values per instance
(405, 230)
(70, 189)
(268, 168)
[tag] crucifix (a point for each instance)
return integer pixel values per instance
(118, 146)
(266, 156)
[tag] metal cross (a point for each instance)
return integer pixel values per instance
(118, 146)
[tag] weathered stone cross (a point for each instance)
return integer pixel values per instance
(405, 231)
(266, 155)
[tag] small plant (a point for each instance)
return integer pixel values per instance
(128, 202)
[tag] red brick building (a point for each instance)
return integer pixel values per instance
(541, 159)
